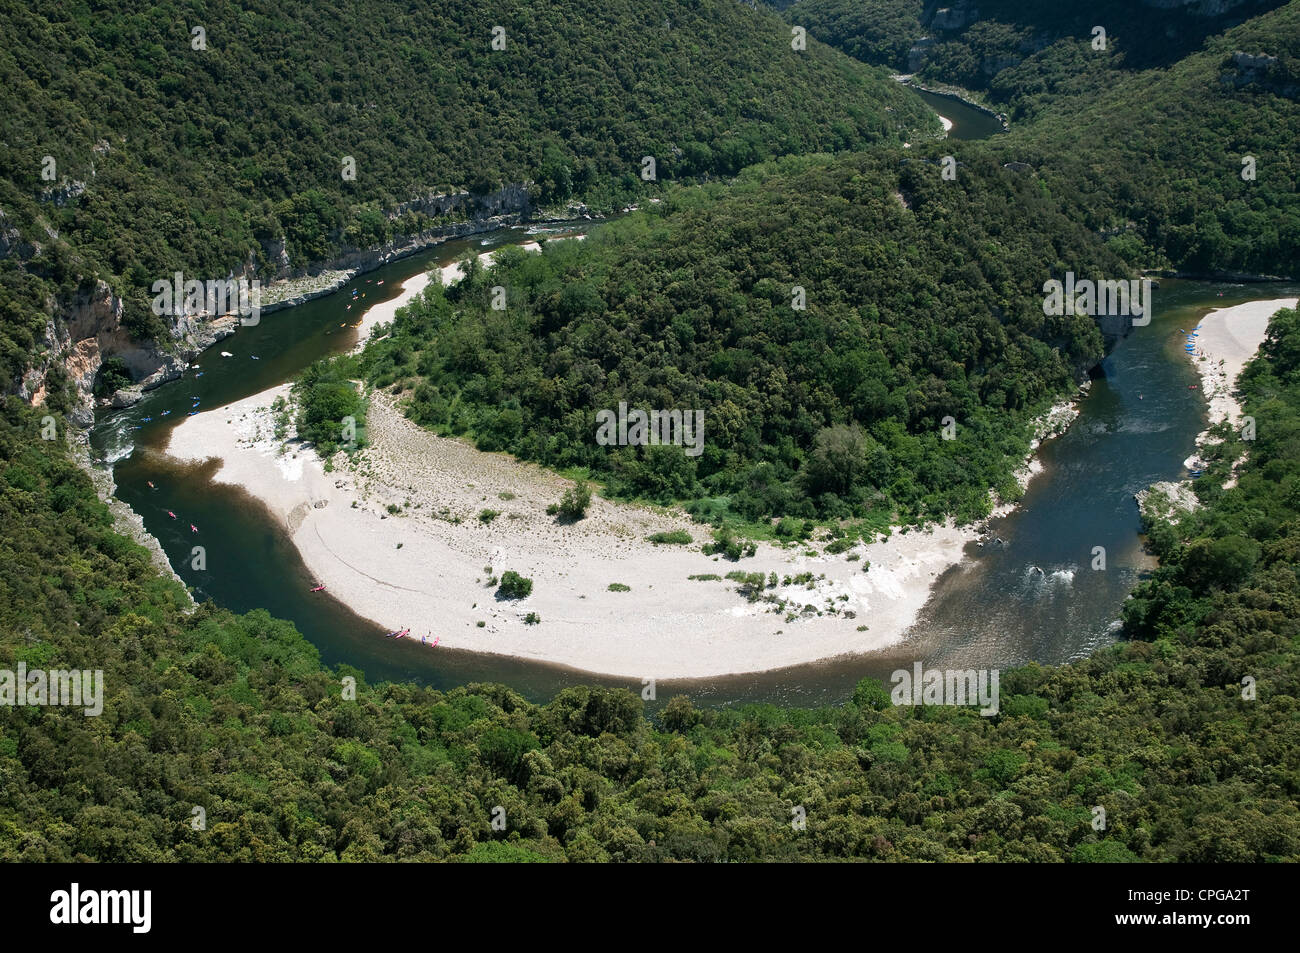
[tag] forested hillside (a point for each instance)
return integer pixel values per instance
(1147, 137)
(1162, 173)
(1022, 56)
(170, 157)
(922, 300)
(234, 715)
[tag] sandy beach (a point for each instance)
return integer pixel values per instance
(395, 533)
(383, 312)
(426, 566)
(1226, 339)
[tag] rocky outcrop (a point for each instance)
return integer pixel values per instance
(513, 198)
(1259, 70)
(919, 53)
(65, 192)
(957, 17)
(84, 332)
(11, 241)
(1167, 501)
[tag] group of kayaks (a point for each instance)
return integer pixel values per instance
(403, 633)
(193, 413)
(193, 528)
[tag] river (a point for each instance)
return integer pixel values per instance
(968, 122)
(1139, 422)
(994, 611)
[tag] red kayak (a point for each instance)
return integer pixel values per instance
(171, 514)
(319, 588)
(193, 528)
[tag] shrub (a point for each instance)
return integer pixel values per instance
(678, 536)
(618, 587)
(728, 544)
(514, 586)
(573, 505)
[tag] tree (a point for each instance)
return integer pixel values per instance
(514, 586)
(573, 504)
(838, 459)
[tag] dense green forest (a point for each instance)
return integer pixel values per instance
(1146, 137)
(1023, 55)
(169, 157)
(234, 714)
(922, 301)
(1161, 171)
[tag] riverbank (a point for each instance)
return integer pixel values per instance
(397, 536)
(1226, 339)
(125, 520)
(955, 93)
(404, 535)
(1223, 342)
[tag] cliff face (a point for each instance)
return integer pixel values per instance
(82, 333)
(1261, 71)
(86, 330)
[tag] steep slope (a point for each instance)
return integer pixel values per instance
(1023, 56)
(1157, 160)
